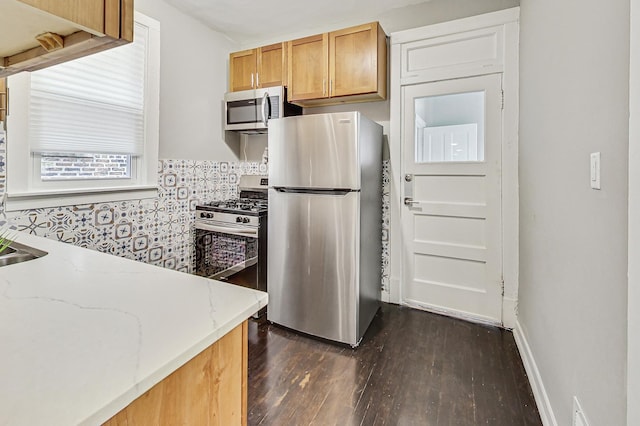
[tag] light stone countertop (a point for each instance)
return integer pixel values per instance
(83, 334)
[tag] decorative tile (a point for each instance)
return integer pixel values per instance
(124, 230)
(140, 242)
(104, 215)
(155, 254)
(158, 231)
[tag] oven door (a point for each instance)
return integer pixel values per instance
(230, 253)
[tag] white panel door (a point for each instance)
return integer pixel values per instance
(451, 215)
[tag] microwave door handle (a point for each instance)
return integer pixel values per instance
(265, 111)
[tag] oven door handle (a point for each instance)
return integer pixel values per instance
(242, 232)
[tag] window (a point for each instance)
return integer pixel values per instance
(87, 130)
(450, 128)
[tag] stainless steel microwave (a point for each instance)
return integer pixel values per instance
(249, 111)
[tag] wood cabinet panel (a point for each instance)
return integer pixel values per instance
(272, 65)
(208, 390)
(79, 27)
(348, 65)
(354, 60)
(255, 68)
(3, 99)
(86, 14)
(308, 67)
(242, 71)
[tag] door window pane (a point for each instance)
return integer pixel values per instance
(449, 128)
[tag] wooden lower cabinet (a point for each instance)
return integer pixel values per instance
(209, 390)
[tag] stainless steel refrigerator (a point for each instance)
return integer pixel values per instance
(325, 224)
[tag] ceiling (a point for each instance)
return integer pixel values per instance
(247, 21)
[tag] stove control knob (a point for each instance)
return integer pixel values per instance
(239, 219)
(209, 215)
(245, 220)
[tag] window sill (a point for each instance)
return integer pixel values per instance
(43, 199)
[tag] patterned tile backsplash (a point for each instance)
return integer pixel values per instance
(157, 231)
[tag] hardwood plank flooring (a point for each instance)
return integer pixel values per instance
(412, 368)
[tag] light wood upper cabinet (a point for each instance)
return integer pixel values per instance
(255, 68)
(358, 59)
(348, 65)
(39, 33)
(308, 67)
(272, 65)
(242, 70)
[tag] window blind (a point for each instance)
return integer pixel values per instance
(94, 104)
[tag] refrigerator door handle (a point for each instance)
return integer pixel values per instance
(328, 191)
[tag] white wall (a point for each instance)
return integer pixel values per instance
(574, 74)
(193, 80)
(401, 18)
(633, 360)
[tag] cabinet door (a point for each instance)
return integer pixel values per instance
(88, 14)
(354, 60)
(36, 34)
(242, 70)
(308, 67)
(272, 68)
(3, 99)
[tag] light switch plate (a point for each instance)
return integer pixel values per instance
(595, 170)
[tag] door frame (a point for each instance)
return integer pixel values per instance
(499, 31)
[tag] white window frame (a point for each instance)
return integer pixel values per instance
(26, 190)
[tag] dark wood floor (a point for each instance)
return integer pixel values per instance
(412, 368)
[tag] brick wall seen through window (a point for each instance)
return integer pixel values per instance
(85, 166)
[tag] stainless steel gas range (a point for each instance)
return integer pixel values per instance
(231, 236)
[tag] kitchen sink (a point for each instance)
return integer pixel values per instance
(17, 253)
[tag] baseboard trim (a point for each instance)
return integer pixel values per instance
(509, 312)
(535, 379)
(451, 313)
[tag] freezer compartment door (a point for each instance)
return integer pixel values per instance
(314, 151)
(313, 260)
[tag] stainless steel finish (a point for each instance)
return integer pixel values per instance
(253, 183)
(325, 224)
(258, 125)
(235, 269)
(409, 201)
(17, 253)
(408, 177)
(224, 228)
(246, 112)
(265, 109)
(257, 79)
(313, 263)
(214, 217)
(324, 83)
(252, 80)
(315, 151)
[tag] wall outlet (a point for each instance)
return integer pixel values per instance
(579, 418)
